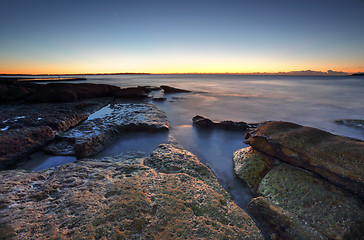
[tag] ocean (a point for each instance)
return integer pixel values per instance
(314, 101)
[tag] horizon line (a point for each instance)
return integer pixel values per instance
(303, 72)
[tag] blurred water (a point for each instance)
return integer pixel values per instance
(315, 101)
(310, 101)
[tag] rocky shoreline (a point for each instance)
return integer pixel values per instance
(308, 183)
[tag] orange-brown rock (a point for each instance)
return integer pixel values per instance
(336, 158)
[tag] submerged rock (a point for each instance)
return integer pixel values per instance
(120, 200)
(356, 123)
(336, 158)
(103, 126)
(333, 212)
(203, 122)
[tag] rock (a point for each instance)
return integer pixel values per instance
(280, 223)
(17, 143)
(235, 126)
(170, 158)
(161, 99)
(63, 92)
(356, 123)
(25, 128)
(168, 89)
(203, 122)
(13, 93)
(336, 158)
(68, 92)
(118, 200)
(251, 166)
(103, 126)
(333, 212)
(131, 92)
(8, 81)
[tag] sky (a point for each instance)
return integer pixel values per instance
(212, 36)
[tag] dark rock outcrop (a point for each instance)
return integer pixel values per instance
(202, 122)
(25, 128)
(121, 200)
(17, 143)
(12, 90)
(168, 89)
(336, 158)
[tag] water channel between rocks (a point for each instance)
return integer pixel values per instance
(213, 147)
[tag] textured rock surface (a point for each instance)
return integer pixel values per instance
(103, 126)
(25, 128)
(121, 200)
(251, 165)
(334, 212)
(280, 223)
(15, 144)
(172, 158)
(339, 159)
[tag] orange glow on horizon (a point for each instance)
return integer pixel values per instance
(207, 68)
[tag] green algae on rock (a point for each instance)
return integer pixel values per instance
(251, 165)
(334, 212)
(280, 223)
(103, 199)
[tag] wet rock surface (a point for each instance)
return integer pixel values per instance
(103, 126)
(25, 128)
(336, 158)
(122, 200)
(202, 122)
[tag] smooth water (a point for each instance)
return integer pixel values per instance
(315, 101)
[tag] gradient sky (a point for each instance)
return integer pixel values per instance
(87, 36)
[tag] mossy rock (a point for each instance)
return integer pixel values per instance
(332, 211)
(114, 200)
(251, 165)
(279, 223)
